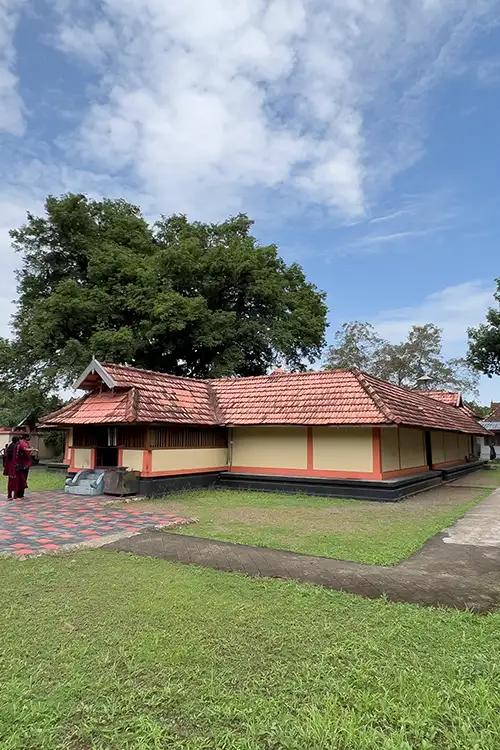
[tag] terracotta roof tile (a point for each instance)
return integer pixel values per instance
(415, 408)
(334, 397)
(454, 398)
(166, 398)
(327, 397)
(107, 407)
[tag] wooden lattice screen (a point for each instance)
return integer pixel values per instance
(131, 437)
(188, 437)
(134, 436)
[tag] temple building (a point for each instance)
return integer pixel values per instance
(337, 432)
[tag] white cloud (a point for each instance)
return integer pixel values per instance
(454, 309)
(389, 217)
(393, 237)
(11, 106)
(203, 102)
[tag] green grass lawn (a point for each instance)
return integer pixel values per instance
(106, 651)
(40, 479)
(368, 532)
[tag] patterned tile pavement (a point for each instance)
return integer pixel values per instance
(48, 521)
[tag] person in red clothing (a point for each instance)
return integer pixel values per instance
(22, 464)
(9, 468)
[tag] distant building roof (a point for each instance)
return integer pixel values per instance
(454, 398)
(122, 394)
(492, 426)
(494, 413)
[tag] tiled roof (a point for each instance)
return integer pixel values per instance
(454, 398)
(494, 413)
(492, 426)
(108, 407)
(167, 398)
(415, 408)
(327, 397)
(142, 396)
(332, 397)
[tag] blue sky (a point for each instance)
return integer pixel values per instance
(361, 135)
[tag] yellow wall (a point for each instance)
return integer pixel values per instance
(455, 446)
(437, 444)
(411, 447)
(270, 447)
(132, 459)
(390, 449)
(188, 458)
(464, 446)
(449, 446)
(82, 458)
(343, 448)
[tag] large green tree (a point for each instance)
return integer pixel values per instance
(484, 341)
(177, 296)
(358, 345)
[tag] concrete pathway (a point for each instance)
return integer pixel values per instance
(480, 527)
(458, 568)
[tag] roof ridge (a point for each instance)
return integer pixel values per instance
(133, 400)
(361, 377)
(278, 375)
(413, 391)
(436, 403)
(156, 372)
(213, 399)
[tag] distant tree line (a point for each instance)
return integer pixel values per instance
(357, 344)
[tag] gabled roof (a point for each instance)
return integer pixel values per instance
(330, 397)
(137, 396)
(166, 398)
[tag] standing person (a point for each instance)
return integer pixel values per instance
(23, 461)
(9, 468)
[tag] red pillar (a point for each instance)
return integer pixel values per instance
(377, 452)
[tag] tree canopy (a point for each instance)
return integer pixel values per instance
(358, 345)
(176, 296)
(484, 341)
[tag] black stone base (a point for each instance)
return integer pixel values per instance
(389, 490)
(454, 472)
(155, 486)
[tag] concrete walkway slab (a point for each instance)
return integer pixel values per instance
(443, 572)
(480, 527)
